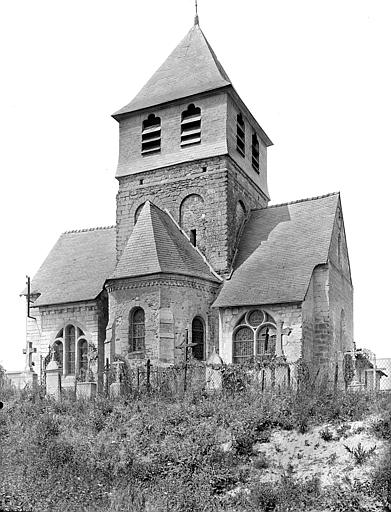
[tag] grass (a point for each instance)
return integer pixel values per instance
(155, 454)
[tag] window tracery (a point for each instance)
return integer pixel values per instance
(254, 336)
(70, 349)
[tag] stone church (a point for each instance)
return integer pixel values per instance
(197, 254)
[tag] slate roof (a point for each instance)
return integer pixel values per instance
(157, 245)
(192, 68)
(76, 268)
(278, 251)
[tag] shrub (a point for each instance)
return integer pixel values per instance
(326, 434)
(381, 428)
(360, 454)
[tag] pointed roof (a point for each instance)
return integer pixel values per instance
(192, 68)
(279, 249)
(76, 268)
(157, 245)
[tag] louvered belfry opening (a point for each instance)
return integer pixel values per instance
(191, 126)
(241, 135)
(255, 153)
(151, 137)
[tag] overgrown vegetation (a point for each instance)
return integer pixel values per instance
(194, 453)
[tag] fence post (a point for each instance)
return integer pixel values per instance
(148, 375)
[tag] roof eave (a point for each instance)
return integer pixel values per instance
(212, 279)
(264, 304)
(122, 113)
(265, 138)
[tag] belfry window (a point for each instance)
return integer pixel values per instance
(191, 126)
(255, 153)
(70, 349)
(241, 135)
(254, 337)
(151, 135)
(137, 330)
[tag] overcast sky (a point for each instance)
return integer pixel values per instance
(316, 75)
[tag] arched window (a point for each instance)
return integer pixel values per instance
(191, 126)
(137, 213)
(254, 336)
(137, 330)
(151, 135)
(191, 214)
(241, 135)
(83, 355)
(198, 336)
(67, 341)
(255, 153)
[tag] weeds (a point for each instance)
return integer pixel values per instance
(157, 453)
(326, 434)
(360, 454)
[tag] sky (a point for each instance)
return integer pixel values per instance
(316, 74)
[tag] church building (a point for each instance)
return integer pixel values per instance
(197, 254)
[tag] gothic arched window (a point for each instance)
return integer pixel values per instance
(191, 126)
(255, 153)
(67, 341)
(151, 135)
(137, 330)
(198, 336)
(241, 135)
(254, 336)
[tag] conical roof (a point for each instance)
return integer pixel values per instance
(192, 68)
(156, 245)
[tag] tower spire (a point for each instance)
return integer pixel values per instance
(196, 19)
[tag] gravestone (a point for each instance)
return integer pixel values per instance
(117, 387)
(214, 377)
(53, 380)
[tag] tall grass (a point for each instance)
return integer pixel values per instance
(156, 454)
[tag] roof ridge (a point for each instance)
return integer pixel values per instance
(297, 201)
(88, 229)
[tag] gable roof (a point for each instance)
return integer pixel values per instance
(278, 251)
(192, 68)
(76, 268)
(157, 245)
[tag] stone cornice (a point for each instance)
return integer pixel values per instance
(159, 281)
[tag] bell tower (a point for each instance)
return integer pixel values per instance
(189, 145)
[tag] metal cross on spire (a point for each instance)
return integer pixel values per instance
(196, 19)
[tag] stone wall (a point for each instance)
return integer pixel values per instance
(328, 309)
(170, 304)
(218, 181)
(290, 314)
(213, 135)
(49, 320)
